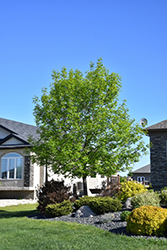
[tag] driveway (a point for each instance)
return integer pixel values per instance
(10, 202)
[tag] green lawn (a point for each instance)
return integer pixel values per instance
(17, 232)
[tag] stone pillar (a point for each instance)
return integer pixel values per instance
(28, 173)
(158, 158)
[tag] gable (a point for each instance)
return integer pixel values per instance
(18, 130)
(13, 141)
(145, 170)
(3, 133)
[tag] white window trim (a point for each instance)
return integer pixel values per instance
(15, 158)
(139, 178)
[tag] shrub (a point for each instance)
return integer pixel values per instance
(147, 220)
(59, 209)
(106, 204)
(99, 205)
(83, 201)
(163, 197)
(130, 189)
(145, 199)
(124, 215)
(52, 192)
(110, 188)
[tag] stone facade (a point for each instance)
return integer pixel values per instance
(158, 158)
(28, 172)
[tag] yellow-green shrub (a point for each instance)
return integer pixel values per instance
(147, 220)
(130, 189)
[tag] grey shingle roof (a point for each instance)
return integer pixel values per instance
(145, 169)
(20, 130)
(158, 126)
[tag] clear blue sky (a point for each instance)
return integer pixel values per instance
(38, 36)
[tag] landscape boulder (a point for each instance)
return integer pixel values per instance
(127, 204)
(84, 211)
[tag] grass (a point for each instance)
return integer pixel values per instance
(17, 232)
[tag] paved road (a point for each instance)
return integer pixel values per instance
(9, 202)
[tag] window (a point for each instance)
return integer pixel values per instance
(141, 179)
(12, 166)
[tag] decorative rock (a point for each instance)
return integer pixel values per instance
(106, 218)
(127, 204)
(84, 211)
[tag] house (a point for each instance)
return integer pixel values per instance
(158, 154)
(142, 174)
(19, 178)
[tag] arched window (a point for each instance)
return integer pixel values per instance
(12, 166)
(141, 179)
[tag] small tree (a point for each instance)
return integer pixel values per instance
(82, 128)
(130, 174)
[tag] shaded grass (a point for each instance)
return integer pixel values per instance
(20, 233)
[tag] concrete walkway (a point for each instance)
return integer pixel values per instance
(10, 202)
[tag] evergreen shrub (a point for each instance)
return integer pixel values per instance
(103, 205)
(147, 220)
(59, 209)
(83, 201)
(52, 192)
(124, 215)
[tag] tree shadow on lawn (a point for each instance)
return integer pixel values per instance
(9, 214)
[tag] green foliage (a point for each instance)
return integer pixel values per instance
(147, 220)
(103, 205)
(122, 179)
(59, 209)
(124, 215)
(84, 201)
(130, 189)
(83, 130)
(52, 192)
(145, 199)
(99, 205)
(130, 174)
(163, 197)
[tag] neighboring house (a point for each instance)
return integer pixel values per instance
(142, 174)
(19, 178)
(158, 154)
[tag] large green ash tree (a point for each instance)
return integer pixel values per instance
(83, 130)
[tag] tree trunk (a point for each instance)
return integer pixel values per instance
(85, 185)
(46, 173)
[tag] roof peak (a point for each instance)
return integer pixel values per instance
(158, 126)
